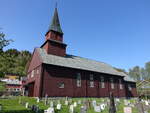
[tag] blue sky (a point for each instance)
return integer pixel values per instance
(113, 31)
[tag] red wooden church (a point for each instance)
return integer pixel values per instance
(54, 73)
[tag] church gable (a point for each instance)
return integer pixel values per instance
(35, 61)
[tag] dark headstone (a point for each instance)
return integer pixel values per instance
(83, 109)
(112, 107)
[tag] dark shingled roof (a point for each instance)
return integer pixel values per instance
(55, 24)
(77, 63)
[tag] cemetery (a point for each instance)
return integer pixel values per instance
(73, 105)
(53, 80)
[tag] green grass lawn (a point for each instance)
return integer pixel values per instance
(12, 105)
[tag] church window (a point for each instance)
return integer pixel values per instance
(37, 71)
(112, 83)
(91, 80)
(120, 84)
(102, 82)
(78, 80)
(129, 87)
(32, 73)
(61, 85)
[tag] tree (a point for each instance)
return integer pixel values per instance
(143, 74)
(135, 73)
(147, 68)
(14, 62)
(3, 42)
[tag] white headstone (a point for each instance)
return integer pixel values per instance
(38, 100)
(102, 106)
(94, 103)
(49, 110)
(27, 104)
(97, 109)
(146, 103)
(125, 102)
(51, 104)
(71, 109)
(127, 110)
(117, 100)
(75, 104)
(83, 109)
(66, 102)
(79, 101)
(58, 107)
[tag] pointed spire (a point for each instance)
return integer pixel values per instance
(55, 24)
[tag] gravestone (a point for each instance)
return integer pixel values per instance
(75, 104)
(97, 108)
(51, 104)
(125, 102)
(46, 99)
(36, 109)
(83, 109)
(88, 104)
(49, 110)
(146, 103)
(117, 100)
(27, 105)
(71, 109)
(58, 107)
(33, 108)
(94, 103)
(79, 101)
(38, 100)
(66, 102)
(127, 110)
(102, 106)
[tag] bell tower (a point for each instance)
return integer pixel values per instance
(54, 38)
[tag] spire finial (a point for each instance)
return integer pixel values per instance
(55, 24)
(56, 4)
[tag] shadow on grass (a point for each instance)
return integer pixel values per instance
(21, 111)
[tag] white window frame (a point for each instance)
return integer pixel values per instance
(120, 84)
(112, 83)
(91, 80)
(102, 81)
(32, 73)
(61, 85)
(78, 80)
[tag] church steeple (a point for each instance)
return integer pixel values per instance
(54, 38)
(54, 31)
(55, 24)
